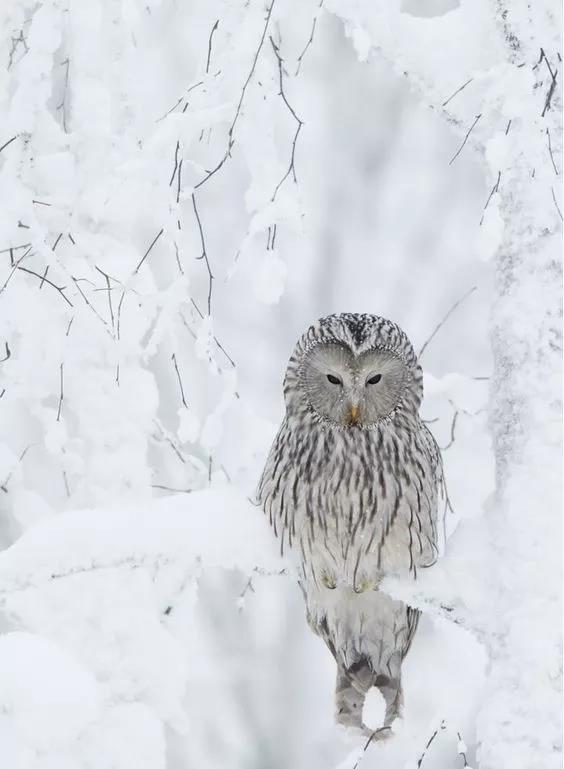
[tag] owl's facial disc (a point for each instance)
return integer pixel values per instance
(348, 389)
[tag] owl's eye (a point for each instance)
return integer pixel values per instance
(374, 379)
(334, 379)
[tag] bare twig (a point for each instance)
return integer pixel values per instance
(61, 396)
(291, 167)
(174, 106)
(429, 743)
(179, 380)
(4, 485)
(168, 488)
(179, 183)
(376, 734)
(446, 317)
(148, 251)
(8, 353)
(119, 314)
(15, 266)
(215, 339)
(204, 254)
(553, 75)
(556, 204)
(15, 44)
(461, 747)
(175, 169)
(493, 190)
(550, 152)
(43, 278)
(452, 432)
(92, 308)
(210, 40)
(458, 90)
(15, 248)
(6, 144)
(109, 290)
(310, 40)
(231, 131)
(459, 150)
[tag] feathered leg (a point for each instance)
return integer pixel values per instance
(348, 700)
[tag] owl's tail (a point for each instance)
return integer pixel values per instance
(352, 686)
(358, 673)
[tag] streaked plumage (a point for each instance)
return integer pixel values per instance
(351, 486)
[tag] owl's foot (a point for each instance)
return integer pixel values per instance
(349, 703)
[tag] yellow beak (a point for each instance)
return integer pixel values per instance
(354, 414)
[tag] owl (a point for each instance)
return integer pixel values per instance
(351, 489)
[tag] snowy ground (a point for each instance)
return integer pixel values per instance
(147, 621)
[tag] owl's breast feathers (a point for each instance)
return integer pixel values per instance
(354, 505)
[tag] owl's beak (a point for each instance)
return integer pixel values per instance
(354, 413)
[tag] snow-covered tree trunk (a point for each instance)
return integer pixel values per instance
(525, 519)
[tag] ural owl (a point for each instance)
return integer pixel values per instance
(351, 487)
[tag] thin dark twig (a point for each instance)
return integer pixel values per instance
(462, 752)
(252, 71)
(174, 170)
(169, 488)
(458, 90)
(556, 204)
(62, 105)
(56, 243)
(42, 278)
(148, 251)
(15, 248)
(204, 254)
(7, 144)
(179, 380)
(231, 132)
(553, 75)
(14, 268)
(291, 167)
(91, 306)
(119, 314)
(310, 40)
(446, 317)
(493, 190)
(158, 120)
(109, 289)
(210, 39)
(550, 152)
(457, 153)
(179, 178)
(373, 736)
(192, 87)
(8, 353)
(452, 432)
(69, 326)
(61, 395)
(429, 743)
(215, 339)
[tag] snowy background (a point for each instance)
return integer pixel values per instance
(184, 187)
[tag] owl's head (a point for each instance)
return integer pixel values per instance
(353, 370)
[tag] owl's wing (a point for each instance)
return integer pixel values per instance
(278, 487)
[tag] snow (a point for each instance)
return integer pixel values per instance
(147, 619)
